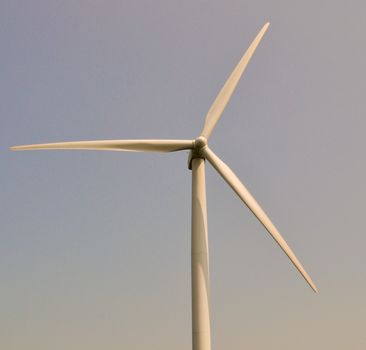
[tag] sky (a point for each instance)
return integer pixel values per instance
(95, 246)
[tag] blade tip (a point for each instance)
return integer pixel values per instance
(22, 148)
(312, 286)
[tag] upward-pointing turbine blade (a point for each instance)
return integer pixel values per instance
(252, 204)
(224, 95)
(114, 145)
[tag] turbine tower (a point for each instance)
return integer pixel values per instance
(199, 152)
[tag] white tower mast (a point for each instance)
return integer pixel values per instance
(201, 339)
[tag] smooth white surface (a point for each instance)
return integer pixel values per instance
(233, 181)
(201, 339)
(226, 92)
(113, 145)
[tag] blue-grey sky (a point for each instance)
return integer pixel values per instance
(95, 246)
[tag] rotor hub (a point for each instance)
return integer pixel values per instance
(198, 145)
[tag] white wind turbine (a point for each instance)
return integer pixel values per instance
(199, 151)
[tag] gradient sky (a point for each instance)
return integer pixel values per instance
(95, 246)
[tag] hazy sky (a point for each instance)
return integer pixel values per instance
(95, 246)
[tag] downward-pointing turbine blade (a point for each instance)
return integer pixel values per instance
(114, 145)
(252, 204)
(224, 95)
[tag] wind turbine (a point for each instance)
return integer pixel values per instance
(199, 152)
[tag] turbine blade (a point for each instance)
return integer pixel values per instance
(224, 95)
(114, 145)
(252, 204)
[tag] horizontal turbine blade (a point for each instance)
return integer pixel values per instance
(114, 145)
(224, 95)
(252, 204)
